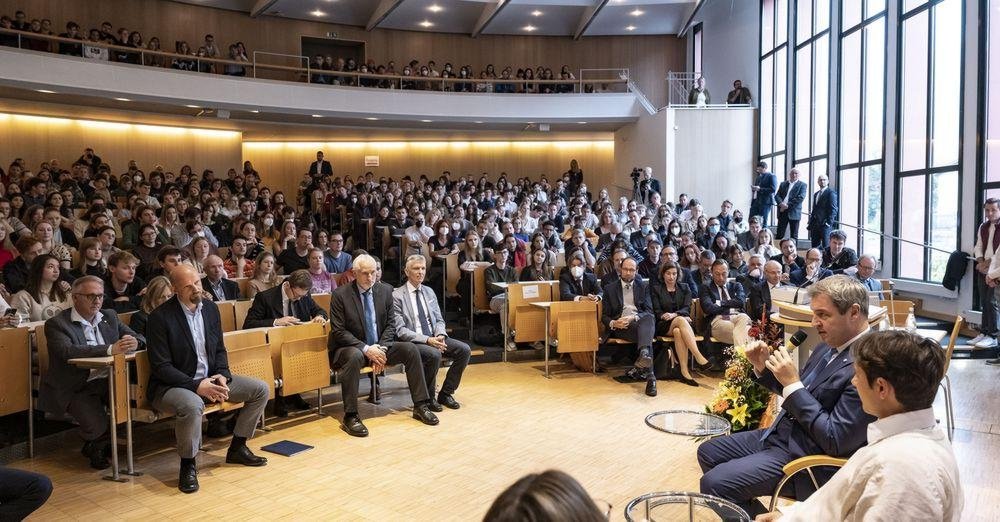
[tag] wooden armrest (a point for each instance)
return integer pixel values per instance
(811, 461)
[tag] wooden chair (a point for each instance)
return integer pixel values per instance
(799, 465)
(453, 273)
(126, 318)
(527, 321)
(323, 301)
(575, 325)
(240, 309)
(142, 404)
(305, 366)
(227, 313)
(244, 284)
(698, 317)
(482, 299)
(949, 409)
(250, 355)
(15, 370)
(897, 311)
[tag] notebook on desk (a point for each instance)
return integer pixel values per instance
(286, 448)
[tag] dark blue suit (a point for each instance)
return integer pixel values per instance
(798, 277)
(639, 331)
(791, 216)
(823, 418)
(825, 213)
(764, 200)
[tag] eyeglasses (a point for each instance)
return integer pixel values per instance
(93, 298)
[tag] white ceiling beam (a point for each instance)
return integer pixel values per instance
(490, 11)
(588, 17)
(261, 6)
(384, 9)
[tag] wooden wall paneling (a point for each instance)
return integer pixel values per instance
(648, 57)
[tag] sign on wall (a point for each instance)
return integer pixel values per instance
(371, 161)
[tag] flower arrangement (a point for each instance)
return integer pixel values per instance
(740, 400)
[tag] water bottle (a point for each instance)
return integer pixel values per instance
(911, 322)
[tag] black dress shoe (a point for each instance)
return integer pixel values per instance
(423, 414)
(651, 387)
(435, 406)
(243, 455)
(689, 382)
(280, 410)
(448, 401)
(354, 427)
(188, 481)
(98, 452)
(296, 403)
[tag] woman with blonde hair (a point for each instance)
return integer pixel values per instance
(43, 231)
(91, 260)
(265, 275)
(158, 291)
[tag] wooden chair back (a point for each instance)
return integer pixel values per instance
(227, 314)
(955, 331)
(240, 309)
(527, 321)
(15, 368)
(453, 273)
(126, 318)
(305, 365)
(142, 406)
(253, 361)
(897, 311)
(482, 301)
(575, 325)
(244, 284)
(42, 348)
(277, 336)
(323, 301)
(370, 237)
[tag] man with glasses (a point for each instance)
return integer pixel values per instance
(866, 269)
(84, 330)
(628, 314)
(340, 261)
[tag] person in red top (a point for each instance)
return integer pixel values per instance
(6, 254)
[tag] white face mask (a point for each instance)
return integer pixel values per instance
(443, 230)
(577, 271)
(268, 222)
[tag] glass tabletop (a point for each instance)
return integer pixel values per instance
(688, 422)
(682, 505)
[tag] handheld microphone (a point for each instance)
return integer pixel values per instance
(795, 340)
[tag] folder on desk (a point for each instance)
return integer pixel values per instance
(286, 448)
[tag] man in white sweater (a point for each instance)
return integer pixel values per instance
(907, 471)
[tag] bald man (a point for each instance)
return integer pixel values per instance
(216, 286)
(190, 369)
(760, 293)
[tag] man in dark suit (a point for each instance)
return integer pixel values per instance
(762, 199)
(759, 299)
(790, 195)
(723, 303)
(419, 320)
(812, 271)
(215, 283)
(576, 284)
(821, 413)
(320, 167)
(190, 369)
(362, 330)
(824, 215)
(628, 314)
(84, 331)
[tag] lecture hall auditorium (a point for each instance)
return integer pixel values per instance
(499, 260)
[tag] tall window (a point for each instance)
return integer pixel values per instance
(990, 106)
(929, 130)
(696, 49)
(773, 82)
(862, 115)
(812, 90)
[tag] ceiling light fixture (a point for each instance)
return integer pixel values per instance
(427, 121)
(317, 13)
(45, 91)
(372, 119)
(536, 12)
(317, 115)
(630, 28)
(192, 106)
(530, 28)
(123, 99)
(582, 122)
(255, 111)
(434, 8)
(426, 23)
(637, 12)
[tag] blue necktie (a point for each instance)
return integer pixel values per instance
(806, 381)
(422, 315)
(370, 336)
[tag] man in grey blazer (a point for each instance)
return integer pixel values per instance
(84, 330)
(418, 320)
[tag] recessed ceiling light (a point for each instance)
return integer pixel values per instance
(478, 122)
(530, 28)
(434, 8)
(536, 12)
(630, 28)
(372, 119)
(426, 23)
(317, 13)
(123, 99)
(193, 106)
(317, 115)
(637, 12)
(45, 91)
(255, 111)
(582, 122)
(427, 121)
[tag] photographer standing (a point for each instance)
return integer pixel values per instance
(644, 185)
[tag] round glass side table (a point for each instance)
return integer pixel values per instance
(682, 505)
(688, 422)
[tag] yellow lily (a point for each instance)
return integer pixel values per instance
(738, 414)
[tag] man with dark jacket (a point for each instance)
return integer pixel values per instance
(825, 213)
(628, 314)
(763, 189)
(215, 282)
(790, 196)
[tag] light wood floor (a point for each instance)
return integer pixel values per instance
(512, 422)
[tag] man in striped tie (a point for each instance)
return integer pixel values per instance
(821, 411)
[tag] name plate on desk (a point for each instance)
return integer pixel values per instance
(529, 291)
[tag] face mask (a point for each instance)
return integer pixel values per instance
(645, 229)
(714, 229)
(268, 222)
(443, 230)
(577, 271)
(199, 234)
(137, 178)
(420, 222)
(456, 227)
(738, 219)
(675, 230)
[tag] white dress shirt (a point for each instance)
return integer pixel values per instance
(906, 472)
(92, 333)
(197, 325)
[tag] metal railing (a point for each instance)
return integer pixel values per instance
(309, 74)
